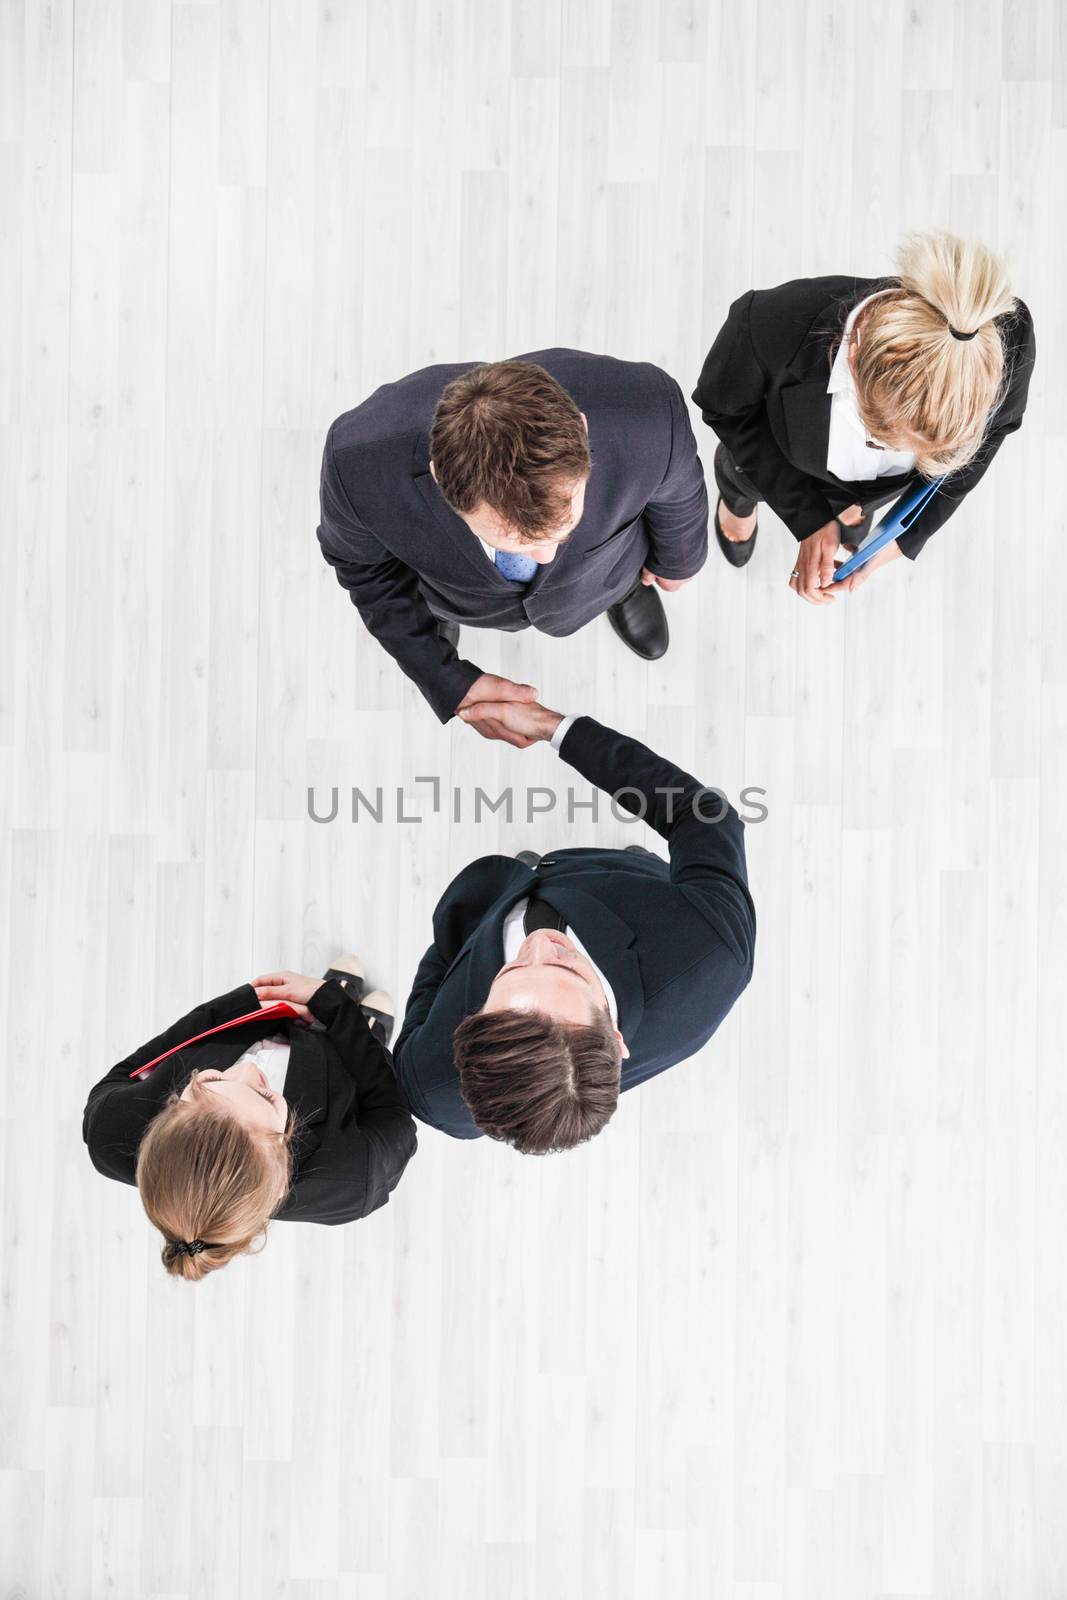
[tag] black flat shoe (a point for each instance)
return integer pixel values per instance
(641, 622)
(738, 555)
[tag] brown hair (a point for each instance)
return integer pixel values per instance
(538, 1084)
(509, 435)
(207, 1179)
(917, 382)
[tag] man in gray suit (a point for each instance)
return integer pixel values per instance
(537, 492)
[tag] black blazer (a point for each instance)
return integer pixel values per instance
(394, 541)
(354, 1137)
(763, 390)
(675, 942)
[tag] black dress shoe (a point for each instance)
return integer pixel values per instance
(529, 858)
(449, 632)
(641, 622)
(738, 555)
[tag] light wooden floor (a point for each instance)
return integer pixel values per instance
(795, 1326)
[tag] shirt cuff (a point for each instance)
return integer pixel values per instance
(561, 732)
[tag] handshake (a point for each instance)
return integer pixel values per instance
(501, 709)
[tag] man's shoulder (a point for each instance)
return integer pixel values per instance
(395, 415)
(782, 317)
(589, 375)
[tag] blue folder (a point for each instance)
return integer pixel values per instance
(903, 516)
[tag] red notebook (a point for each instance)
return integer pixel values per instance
(280, 1008)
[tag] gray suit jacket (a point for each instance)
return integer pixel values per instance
(406, 558)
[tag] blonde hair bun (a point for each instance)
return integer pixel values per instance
(967, 282)
(929, 362)
(209, 1183)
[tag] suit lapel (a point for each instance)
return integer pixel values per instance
(459, 536)
(306, 1082)
(805, 400)
(306, 1079)
(611, 944)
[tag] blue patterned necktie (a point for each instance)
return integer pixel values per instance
(517, 569)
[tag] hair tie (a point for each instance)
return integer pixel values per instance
(189, 1247)
(956, 334)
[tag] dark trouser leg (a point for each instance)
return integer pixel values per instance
(739, 494)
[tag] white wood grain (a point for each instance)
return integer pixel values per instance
(793, 1327)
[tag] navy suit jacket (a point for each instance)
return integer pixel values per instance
(763, 390)
(675, 941)
(354, 1135)
(395, 543)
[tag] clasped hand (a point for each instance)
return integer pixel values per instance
(500, 709)
(816, 563)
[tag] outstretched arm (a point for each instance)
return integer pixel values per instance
(704, 834)
(387, 596)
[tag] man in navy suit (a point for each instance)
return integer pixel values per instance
(537, 493)
(554, 983)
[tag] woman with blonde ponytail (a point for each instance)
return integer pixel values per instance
(276, 1101)
(834, 396)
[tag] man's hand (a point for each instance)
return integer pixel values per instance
(813, 573)
(515, 721)
(290, 986)
(668, 584)
(489, 690)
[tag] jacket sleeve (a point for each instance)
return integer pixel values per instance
(731, 393)
(384, 1128)
(209, 1015)
(676, 518)
(386, 594)
(456, 915)
(1020, 354)
(115, 1158)
(705, 836)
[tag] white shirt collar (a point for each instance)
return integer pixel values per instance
(841, 380)
(514, 933)
(845, 456)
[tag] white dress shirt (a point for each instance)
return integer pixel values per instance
(848, 454)
(560, 733)
(515, 933)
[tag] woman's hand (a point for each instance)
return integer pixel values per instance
(813, 575)
(290, 986)
(889, 552)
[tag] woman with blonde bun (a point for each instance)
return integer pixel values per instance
(834, 396)
(275, 1101)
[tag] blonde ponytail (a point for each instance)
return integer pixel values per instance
(928, 362)
(209, 1183)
